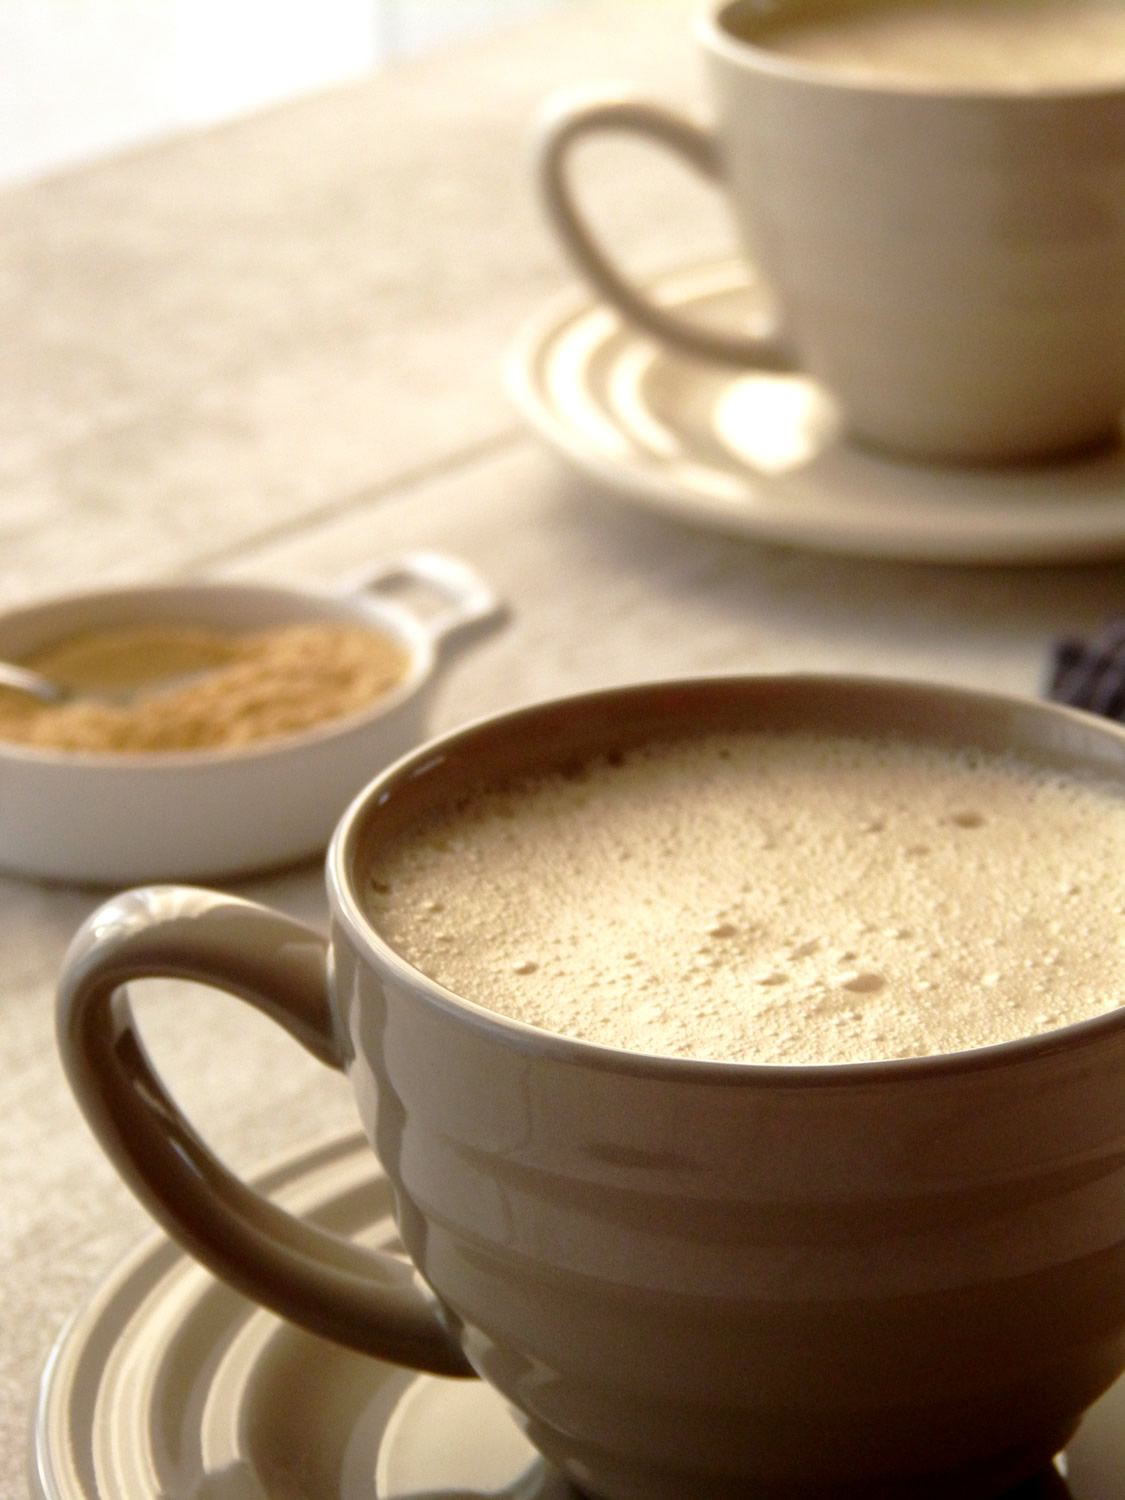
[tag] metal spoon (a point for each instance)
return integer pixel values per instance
(53, 694)
(118, 665)
(24, 680)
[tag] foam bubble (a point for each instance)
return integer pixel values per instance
(868, 983)
(723, 930)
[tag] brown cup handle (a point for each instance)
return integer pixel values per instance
(366, 1300)
(568, 118)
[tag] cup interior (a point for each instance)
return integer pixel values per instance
(747, 23)
(562, 733)
(1069, 49)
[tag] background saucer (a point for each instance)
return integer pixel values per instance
(762, 455)
(167, 1385)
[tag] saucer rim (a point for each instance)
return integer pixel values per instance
(1065, 533)
(129, 1282)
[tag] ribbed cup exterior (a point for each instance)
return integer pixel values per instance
(947, 260)
(700, 1280)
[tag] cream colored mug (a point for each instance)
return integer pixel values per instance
(691, 1280)
(946, 257)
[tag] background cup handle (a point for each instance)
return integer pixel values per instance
(367, 1300)
(565, 120)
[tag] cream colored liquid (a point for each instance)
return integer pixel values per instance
(775, 899)
(1006, 44)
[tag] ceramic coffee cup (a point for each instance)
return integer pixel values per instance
(692, 1280)
(946, 256)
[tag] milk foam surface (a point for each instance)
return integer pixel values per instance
(776, 898)
(1008, 44)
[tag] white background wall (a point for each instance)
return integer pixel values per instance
(80, 78)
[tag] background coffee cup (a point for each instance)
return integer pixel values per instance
(949, 261)
(693, 1279)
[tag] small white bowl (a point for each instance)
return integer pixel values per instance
(119, 818)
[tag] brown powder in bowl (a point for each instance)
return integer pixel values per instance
(256, 687)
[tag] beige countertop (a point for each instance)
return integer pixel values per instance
(272, 351)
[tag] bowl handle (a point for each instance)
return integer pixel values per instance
(362, 1298)
(459, 598)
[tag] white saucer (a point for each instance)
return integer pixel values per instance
(762, 455)
(169, 1386)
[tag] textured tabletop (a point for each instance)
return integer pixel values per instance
(272, 351)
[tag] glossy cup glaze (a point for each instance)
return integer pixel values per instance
(110, 817)
(692, 1280)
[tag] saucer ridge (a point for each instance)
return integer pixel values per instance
(168, 1385)
(164, 1385)
(764, 456)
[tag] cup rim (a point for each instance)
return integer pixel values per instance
(715, 36)
(427, 758)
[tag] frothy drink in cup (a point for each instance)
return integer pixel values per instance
(1001, 44)
(772, 898)
(695, 1277)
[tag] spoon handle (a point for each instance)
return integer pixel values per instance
(24, 680)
